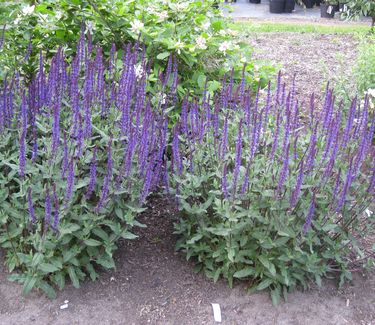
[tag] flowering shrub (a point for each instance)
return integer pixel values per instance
(80, 150)
(268, 194)
(192, 30)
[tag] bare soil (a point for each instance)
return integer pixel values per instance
(314, 59)
(155, 285)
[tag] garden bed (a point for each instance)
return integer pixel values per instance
(153, 284)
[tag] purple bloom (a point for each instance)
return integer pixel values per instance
(22, 154)
(92, 175)
(348, 182)
(47, 209)
(224, 140)
(337, 184)
(310, 216)
(237, 163)
(177, 161)
(224, 182)
(69, 183)
(371, 187)
(30, 205)
(65, 159)
(107, 179)
(276, 135)
(312, 150)
(168, 71)
(56, 210)
(56, 129)
(297, 189)
(284, 170)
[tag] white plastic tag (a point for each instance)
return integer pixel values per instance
(217, 312)
(329, 9)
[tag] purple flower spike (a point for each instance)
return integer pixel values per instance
(284, 170)
(295, 195)
(348, 182)
(92, 175)
(22, 155)
(65, 159)
(237, 163)
(310, 216)
(56, 209)
(47, 210)
(31, 206)
(69, 183)
(224, 182)
(107, 179)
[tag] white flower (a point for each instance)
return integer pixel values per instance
(201, 43)
(369, 213)
(178, 46)
(43, 17)
(232, 32)
(137, 26)
(223, 32)
(28, 10)
(17, 20)
(90, 26)
(371, 92)
(225, 46)
(181, 6)
(162, 98)
(163, 15)
(206, 25)
(58, 15)
(139, 71)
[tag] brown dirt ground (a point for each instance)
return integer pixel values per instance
(154, 285)
(314, 59)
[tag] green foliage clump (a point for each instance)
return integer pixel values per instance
(80, 150)
(270, 196)
(194, 31)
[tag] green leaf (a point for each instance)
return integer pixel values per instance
(47, 268)
(49, 291)
(29, 284)
(128, 235)
(275, 296)
(247, 271)
(91, 270)
(106, 261)
(264, 284)
(73, 276)
(92, 242)
(163, 55)
(217, 274)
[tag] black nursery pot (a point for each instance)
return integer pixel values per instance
(277, 6)
(309, 3)
(254, 1)
(317, 2)
(289, 6)
(336, 8)
(324, 13)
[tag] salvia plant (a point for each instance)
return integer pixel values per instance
(80, 150)
(272, 191)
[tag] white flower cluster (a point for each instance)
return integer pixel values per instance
(136, 26)
(371, 93)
